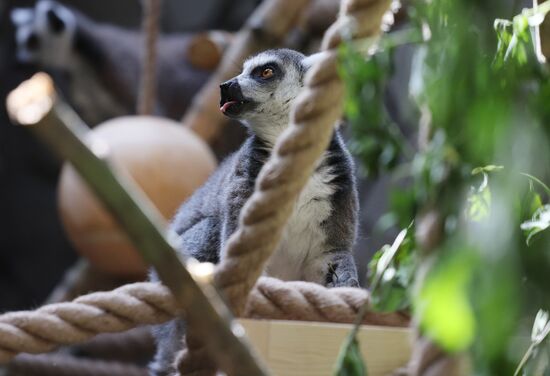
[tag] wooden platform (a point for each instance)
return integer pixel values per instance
(295, 348)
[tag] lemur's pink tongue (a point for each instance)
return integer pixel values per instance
(226, 105)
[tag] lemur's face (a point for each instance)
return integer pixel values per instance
(262, 94)
(44, 34)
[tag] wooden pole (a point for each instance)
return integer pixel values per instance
(148, 80)
(35, 104)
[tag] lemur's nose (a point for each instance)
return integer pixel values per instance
(227, 86)
(230, 91)
(224, 88)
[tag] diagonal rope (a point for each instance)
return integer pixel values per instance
(315, 112)
(264, 216)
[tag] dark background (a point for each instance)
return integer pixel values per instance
(33, 249)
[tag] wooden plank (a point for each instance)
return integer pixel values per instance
(258, 332)
(296, 348)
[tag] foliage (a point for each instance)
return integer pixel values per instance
(350, 362)
(539, 222)
(479, 199)
(377, 139)
(514, 38)
(443, 304)
(391, 271)
(535, 355)
(482, 93)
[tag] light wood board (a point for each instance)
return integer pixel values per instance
(297, 348)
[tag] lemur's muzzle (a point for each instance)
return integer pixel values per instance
(232, 101)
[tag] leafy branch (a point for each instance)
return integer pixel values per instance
(513, 36)
(349, 360)
(539, 333)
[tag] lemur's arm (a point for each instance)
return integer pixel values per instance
(238, 193)
(342, 232)
(341, 228)
(238, 189)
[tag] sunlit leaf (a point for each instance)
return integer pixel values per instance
(539, 223)
(541, 327)
(536, 203)
(389, 253)
(479, 200)
(537, 181)
(391, 271)
(515, 37)
(443, 306)
(540, 331)
(350, 361)
(488, 168)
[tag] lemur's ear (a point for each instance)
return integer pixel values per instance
(55, 22)
(21, 16)
(308, 61)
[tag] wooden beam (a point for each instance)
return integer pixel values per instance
(299, 348)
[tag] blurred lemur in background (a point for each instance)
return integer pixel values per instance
(102, 62)
(317, 241)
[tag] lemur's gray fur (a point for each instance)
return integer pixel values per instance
(102, 62)
(318, 239)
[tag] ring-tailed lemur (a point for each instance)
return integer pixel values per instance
(317, 242)
(102, 62)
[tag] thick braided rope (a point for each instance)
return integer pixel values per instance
(152, 303)
(314, 115)
(73, 322)
(274, 299)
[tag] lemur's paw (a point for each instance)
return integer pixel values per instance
(343, 281)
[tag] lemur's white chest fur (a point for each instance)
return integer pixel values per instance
(302, 247)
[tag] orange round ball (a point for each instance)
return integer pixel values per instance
(165, 159)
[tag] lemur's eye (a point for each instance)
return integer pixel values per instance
(267, 73)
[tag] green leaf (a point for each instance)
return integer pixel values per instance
(443, 306)
(479, 200)
(377, 140)
(541, 327)
(536, 203)
(515, 37)
(390, 297)
(539, 223)
(391, 271)
(488, 168)
(540, 331)
(536, 180)
(350, 361)
(389, 253)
